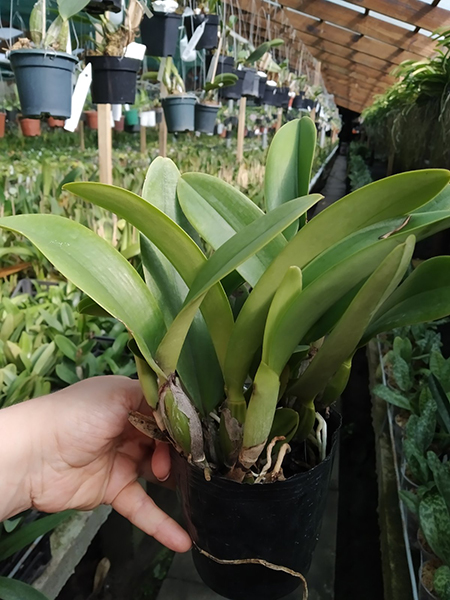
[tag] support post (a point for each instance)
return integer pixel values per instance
(143, 140)
(81, 133)
(241, 129)
(105, 143)
(279, 118)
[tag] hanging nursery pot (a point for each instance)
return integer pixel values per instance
(250, 85)
(276, 522)
(299, 100)
(233, 92)
(44, 82)
(179, 112)
(30, 127)
(270, 95)
(261, 86)
(210, 35)
(99, 7)
(113, 79)
(160, 33)
(2, 124)
(205, 117)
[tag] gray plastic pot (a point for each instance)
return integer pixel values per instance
(179, 112)
(205, 117)
(44, 82)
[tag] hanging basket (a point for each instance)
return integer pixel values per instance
(276, 522)
(113, 79)
(160, 33)
(233, 92)
(270, 95)
(205, 117)
(44, 82)
(298, 101)
(179, 112)
(209, 39)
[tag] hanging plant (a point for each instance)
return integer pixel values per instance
(206, 110)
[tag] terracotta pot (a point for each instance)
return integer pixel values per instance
(91, 119)
(52, 122)
(2, 124)
(119, 125)
(30, 127)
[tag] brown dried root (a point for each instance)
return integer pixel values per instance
(277, 473)
(257, 561)
(147, 425)
(268, 464)
(21, 44)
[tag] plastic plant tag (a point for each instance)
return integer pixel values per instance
(135, 50)
(116, 110)
(193, 41)
(164, 6)
(79, 98)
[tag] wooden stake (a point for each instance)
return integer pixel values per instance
(105, 143)
(81, 132)
(241, 129)
(279, 118)
(143, 140)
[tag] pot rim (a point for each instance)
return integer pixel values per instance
(45, 52)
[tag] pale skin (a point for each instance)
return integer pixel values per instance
(76, 449)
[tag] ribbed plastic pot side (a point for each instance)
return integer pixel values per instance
(277, 522)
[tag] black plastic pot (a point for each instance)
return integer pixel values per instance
(298, 100)
(160, 33)
(225, 64)
(233, 92)
(205, 117)
(261, 86)
(179, 112)
(277, 522)
(270, 95)
(113, 79)
(249, 85)
(282, 97)
(99, 7)
(309, 104)
(209, 38)
(44, 82)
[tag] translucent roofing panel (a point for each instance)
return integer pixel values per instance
(426, 1)
(354, 7)
(444, 4)
(372, 13)
(425, 32)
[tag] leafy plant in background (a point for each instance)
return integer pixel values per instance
(307, 300)
(358, 170)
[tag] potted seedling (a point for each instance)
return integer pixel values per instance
(298, 86)
(204, 13)
(160, 33)
(207, 108)
(178, 107)
(42, 66)
(244, 352)
(114, 74)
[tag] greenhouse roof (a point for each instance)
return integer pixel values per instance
(359, 43)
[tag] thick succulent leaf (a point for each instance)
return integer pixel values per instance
(97, 269)
(226, 259)
(12, 589)
(27, 534)
(423, 296)
(379, 201)
(173, 242)
(289, 163)
(343, 340)
(218, 211)
(434, 520)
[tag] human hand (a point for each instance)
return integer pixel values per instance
(81, 451)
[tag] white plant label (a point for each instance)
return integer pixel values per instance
(193, 41)
(116, 111)
(135, 50)
(79, 97)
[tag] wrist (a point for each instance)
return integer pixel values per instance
(17, 459)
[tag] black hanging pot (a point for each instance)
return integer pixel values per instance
(261, 86)
(179, 112)
(233, 92)
(276, 522)
(298, 100)
(205, 117)
(309, 104)
(209, 38)
(44, 82)
(270, 95)
(160, 33)
(225, 64)
(250, 86)
(283, 94)
(113, 79)
(99, 7)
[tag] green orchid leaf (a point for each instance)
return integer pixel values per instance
(386, 199)
(12, 589)
(97, 269)
(289, 163)
(226, 259)
(442, 402)
(343, 339)
(170, 239)
(434, 519)
(69, 8)
(423, 296)
(198, 355)
(285, 423)
(87, 306)
(218, 211)
(27, 534)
